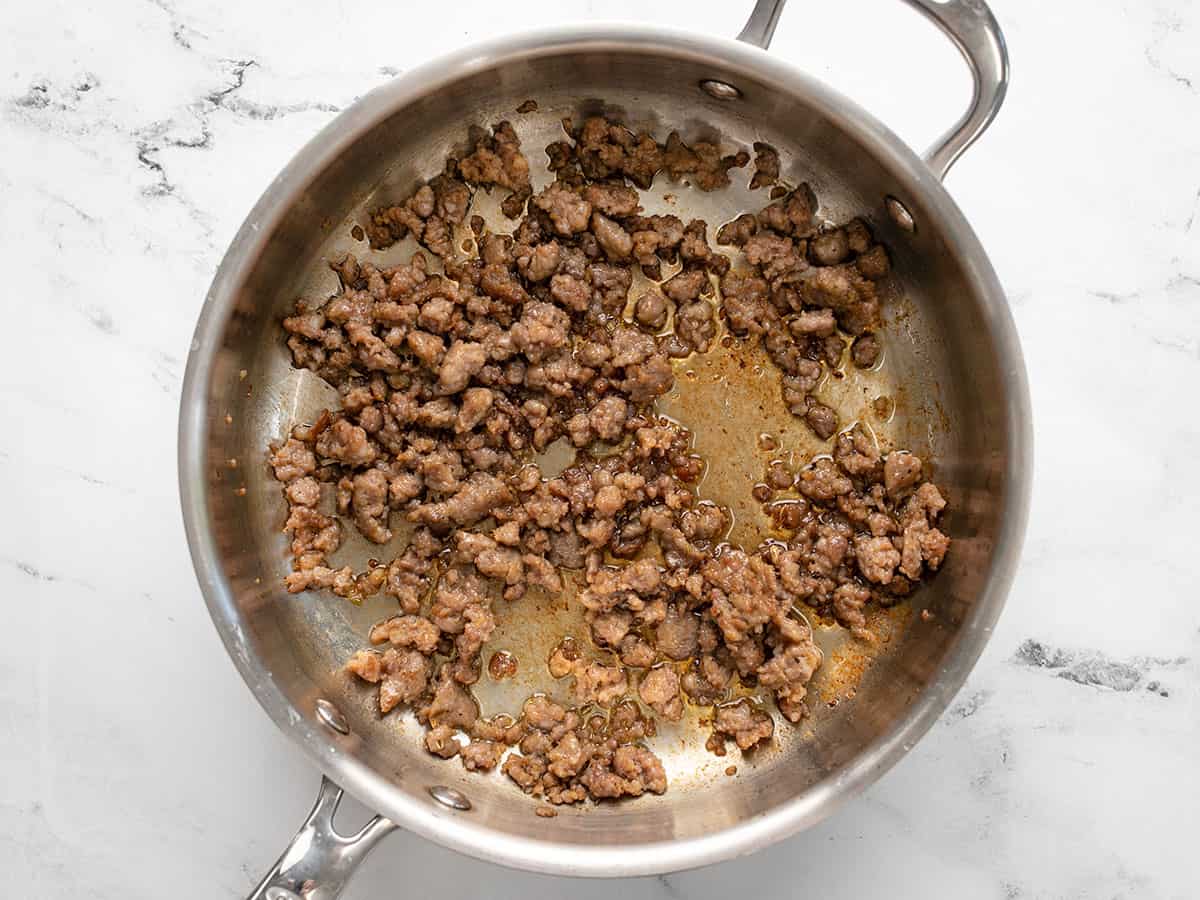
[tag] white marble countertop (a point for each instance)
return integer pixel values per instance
(134, 136)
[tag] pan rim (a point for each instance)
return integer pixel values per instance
(457, 831)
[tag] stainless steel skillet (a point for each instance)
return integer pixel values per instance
(954, 367)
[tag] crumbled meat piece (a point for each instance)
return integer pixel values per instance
(440, 741)
(540, 262)
(746, 724)
(303, 492)
(542, 713)
(437, 315)
(737, 232)
(405, 675)
(694, 246)
(630, 346)
(610, 586)
(687, 285)
(865, 350)
(610, 285)
(541, 329)
(610, 628)
(367, 665)
(921, 543)
(607, 418)
(776, 255)
(858, 236)
(877, 558)
(407, 580)
(708, 679)
(428, 213)
(526, 771)
(642, 770)
(659, 690)
(815, 322)
(848, 294)
(478, 496)
(668, 234)
(793, 214)
(313, 534)
(476, 403)
(926, 502)
(601, 684)
(636, 652)
(370, 504)
(569, 212)
(704, 522)
(499, 283)
(451, 198)
(901, 470)
(702, 161)
(605, 149)
(696, 326)
(481, 756)
(804, 376)
(744, 299)
(462, 360)
(820, 418)
(602, 783)
(766, 166)
(648, 379)
(502, 729)
(790, 669)
(874, 263)
(934, 545)
(856, 455)
(452, 704)
(651, 311)
(823, 482)
(492, 560)
(429, 348)
(407, 631)
(346, 443)
(497, 160)
(613, 239)
(612, 199)
(677, 635)
(293, 460)
(570, 291)
(742, 591)
(829, 248)
(848, 602)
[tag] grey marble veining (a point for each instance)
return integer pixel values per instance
(134, 136)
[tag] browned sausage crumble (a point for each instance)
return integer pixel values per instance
(451, 383)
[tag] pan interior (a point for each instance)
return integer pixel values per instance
(940, 370)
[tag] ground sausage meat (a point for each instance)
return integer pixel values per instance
(660, 691)
(743, 723)
(456, 373)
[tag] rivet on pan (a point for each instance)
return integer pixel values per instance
(448, 796)
(278, 893)
(332, 716)
(900, 214)
(720, 90)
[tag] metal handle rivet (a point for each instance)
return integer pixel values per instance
(448, 796)
(332, 716)
(720, 90)
(900, 214)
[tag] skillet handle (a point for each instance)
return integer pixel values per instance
(760, 27)
(319, 861)
(977, 35)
